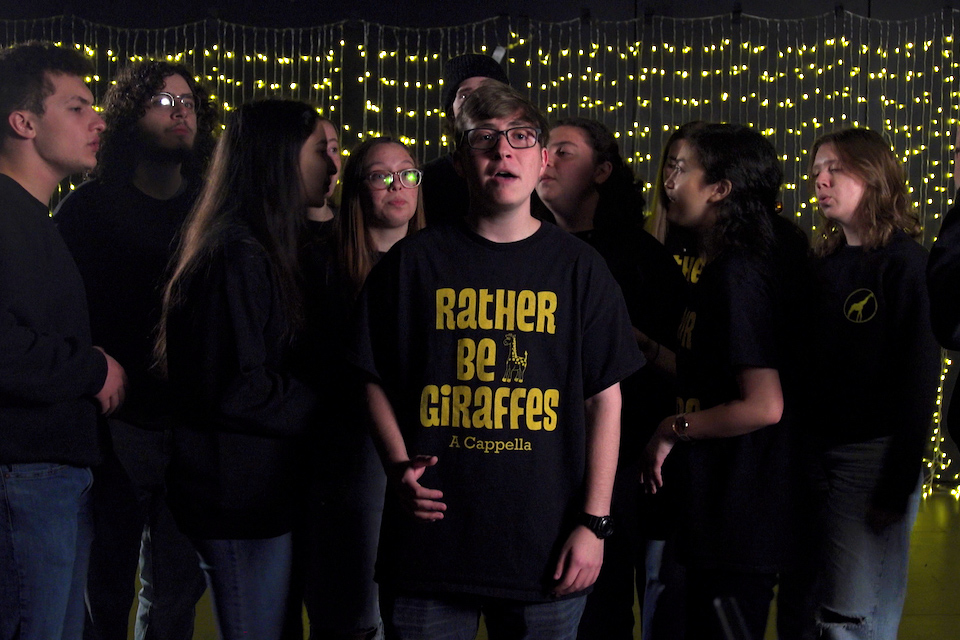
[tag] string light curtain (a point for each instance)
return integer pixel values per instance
(791, 79)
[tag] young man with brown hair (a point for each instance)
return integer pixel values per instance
(53, 381)
(493, 351)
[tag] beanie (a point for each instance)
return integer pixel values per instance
(469, 65)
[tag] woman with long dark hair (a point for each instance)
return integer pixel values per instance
(233, 312)
(731, 430)
(320, 219)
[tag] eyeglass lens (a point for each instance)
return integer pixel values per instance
(517, 137)
(409, 178)
(169, 101)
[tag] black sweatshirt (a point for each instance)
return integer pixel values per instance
(49, 371)
(878, 362)
(122, 240)
(943, 280)
(234, 472)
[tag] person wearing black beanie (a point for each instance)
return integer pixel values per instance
(444, 191)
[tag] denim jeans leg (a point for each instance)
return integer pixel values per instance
(662, 585)
(249, 581)
(117, 526)
(862, 582)
(170, 575)
(171, 579)
(653, 587)
(45, 534)
(554, 620)
(415, 617)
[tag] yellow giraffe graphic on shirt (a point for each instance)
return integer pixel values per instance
(515, 364)
(855, 308)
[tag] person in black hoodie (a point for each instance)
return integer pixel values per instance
(445, 191)
(122, 228)
(232, 316)
(53, 381)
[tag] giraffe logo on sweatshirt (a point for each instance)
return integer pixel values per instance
(860, 306)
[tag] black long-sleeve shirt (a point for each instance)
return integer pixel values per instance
(49, 370)
(943, 283)
(234, 472)
(122, 241)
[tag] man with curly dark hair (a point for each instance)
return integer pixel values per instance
(53, 381)
(122, 227)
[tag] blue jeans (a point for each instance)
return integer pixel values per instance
(133, 525)
(663, 601)
(249, 581)
(457, 617)
(45, 534)
(862, 580)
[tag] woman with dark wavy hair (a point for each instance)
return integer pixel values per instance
(232, 317)
(721, 183)
(589, 190)
(876, 370)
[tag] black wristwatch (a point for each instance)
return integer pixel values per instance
(602, 526)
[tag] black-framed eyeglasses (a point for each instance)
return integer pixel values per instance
(409, 178)
(166, 100)
(484, 139)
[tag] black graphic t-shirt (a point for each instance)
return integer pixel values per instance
(877, 359)
(487, 352)
(740, 488)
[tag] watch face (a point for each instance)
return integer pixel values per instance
(601, 526)
(605, 527)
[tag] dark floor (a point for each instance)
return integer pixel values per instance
(932, 611)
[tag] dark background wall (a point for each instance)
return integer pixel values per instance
(435, 13)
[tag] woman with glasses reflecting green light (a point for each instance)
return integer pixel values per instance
(380, 204)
